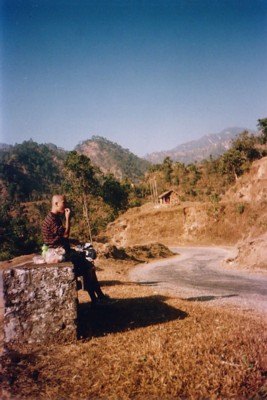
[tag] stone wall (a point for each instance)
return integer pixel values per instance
(40, 305)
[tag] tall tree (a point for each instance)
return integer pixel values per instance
(262, 125)
(167, 169)
(82, 180)
(114, 193)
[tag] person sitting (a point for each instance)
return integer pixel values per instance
(55, 235)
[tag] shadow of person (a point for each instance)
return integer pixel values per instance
(126, 314)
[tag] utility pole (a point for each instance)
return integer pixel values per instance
(86, 214)
(154, 190)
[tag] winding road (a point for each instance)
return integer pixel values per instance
(197, 274)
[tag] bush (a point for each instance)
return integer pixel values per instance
(240, 208)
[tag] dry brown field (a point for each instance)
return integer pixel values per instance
(147, 345)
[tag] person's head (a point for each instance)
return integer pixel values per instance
(58, 204)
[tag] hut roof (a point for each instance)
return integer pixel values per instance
(165, 194)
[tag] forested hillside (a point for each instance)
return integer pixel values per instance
(208, 180)
(30, 173)
(29, 170)
(112, 158)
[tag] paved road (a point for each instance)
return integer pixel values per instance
(197, 274)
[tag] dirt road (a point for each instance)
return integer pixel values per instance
(197, 274)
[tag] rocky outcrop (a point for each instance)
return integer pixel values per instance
(251, 187)
(252, 253)
(40, 305)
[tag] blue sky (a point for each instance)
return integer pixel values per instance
(146, 74)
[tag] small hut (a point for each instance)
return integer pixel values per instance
(169, 197)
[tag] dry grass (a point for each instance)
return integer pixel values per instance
(146, 346)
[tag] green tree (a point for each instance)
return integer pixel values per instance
(245, 143)
(194, 174)
(167, 169)
(17, 235)
(29, 170)
(179, 171)
(114, 194)
(231, 164)
(81, 181)
(262, 125)
(239, 157)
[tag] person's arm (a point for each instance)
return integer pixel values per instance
(67, 223)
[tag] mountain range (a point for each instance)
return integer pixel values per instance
(213, 144)
(112, 158)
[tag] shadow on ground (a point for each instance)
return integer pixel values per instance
(209, 298)
(125, 314)
(145, 283)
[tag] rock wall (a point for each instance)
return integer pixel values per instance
(252, 253)
(40, 305)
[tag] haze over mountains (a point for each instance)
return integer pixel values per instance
(111, 157)
(213, 145)
(122, 163)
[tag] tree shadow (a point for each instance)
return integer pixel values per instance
(114, 283)
(209, 298)
(124, 315)
(149, 283)
(128, 283)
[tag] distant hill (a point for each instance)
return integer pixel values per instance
(112, 158)
(4, 146)
(24, 161)
(213, 145)
(30, 170)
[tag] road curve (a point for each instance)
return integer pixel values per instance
(197, 274)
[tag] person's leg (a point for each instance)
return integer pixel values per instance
(83, 268)
(89, 286)
(90, 280)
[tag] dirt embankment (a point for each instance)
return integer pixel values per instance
(239, 218)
